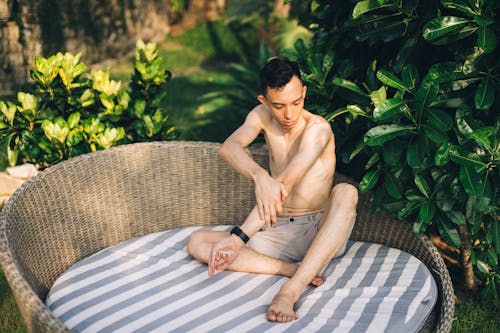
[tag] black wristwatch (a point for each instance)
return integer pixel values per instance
(238, 232)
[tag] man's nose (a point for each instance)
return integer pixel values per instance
(288, 113)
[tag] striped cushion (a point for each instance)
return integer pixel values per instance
(151, 284)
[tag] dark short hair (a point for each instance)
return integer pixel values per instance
(277, 73)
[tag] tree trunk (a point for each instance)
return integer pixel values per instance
(465, 258)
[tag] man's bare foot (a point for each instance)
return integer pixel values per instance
(281, 309)
(317, 281)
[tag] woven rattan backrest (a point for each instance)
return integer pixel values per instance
(118, 194)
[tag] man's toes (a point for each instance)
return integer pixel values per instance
(271, 316)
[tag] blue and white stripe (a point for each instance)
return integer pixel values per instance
(151, 284)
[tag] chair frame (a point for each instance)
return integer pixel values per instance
(78, 207)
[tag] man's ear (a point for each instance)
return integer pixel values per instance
(262, 99)
(304, 91)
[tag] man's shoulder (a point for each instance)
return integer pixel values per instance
(317, 123)
(260, 113)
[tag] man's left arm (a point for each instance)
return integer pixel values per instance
(313, 143)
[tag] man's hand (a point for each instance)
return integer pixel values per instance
(224, 253)
(270, 195)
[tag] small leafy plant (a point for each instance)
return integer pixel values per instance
(71, 111)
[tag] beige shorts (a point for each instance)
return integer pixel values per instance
(289, 239)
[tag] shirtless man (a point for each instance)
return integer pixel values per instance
(298, 216)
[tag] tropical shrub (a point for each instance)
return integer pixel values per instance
(412, 88)
(71, 111)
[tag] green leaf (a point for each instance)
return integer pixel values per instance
(408, 210)
(73, 119)
(439, 119)
(446, 29)
(462, 157)
(485, 94)
(422, 185)
(389, 108)
(415, 154)
(483, 267)
(427, 211)
(486, 39)
(426, 94)
(442, 155)
(434, 135)
(371, 162)
(366, 6)
(409, 74)
(383, 133)
(456, 217)
(392, 153)
(444, 200)
(348, 85)
(472, 181)
(414, 195)
(459, 5)
(369, 180)
(448, 232)
(419, 226)
(378, 96)
(391, 80)
(393, 186)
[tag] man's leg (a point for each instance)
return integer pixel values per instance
(334, 229)
(200, 245)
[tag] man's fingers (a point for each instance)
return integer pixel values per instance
(272, 213)
(284, 193)
(260, 209)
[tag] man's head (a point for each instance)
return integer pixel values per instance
(282, 91)
(277, 73)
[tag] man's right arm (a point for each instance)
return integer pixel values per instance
(269, 193)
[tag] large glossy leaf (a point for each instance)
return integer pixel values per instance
(393, 186)
(434, 135)
(456, 217)
(460, 5)
(415, 154)
(391, 80)
(378, 96)
(446, 29)
(485, 94)
(404, 53)
(422, 185)
(369, 180)
(366, 6)
(392, 153)
(419, 226)
(463, 157)
(389, 108)
(448, 231)
(383, 133)
(409, 74)
(427, 211)
(442, 155)
(338, 81)
(444, 200)
(476, 185)
(408, 210)
(486, 39)
(439, 119)
(426, 94)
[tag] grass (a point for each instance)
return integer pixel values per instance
(198, 60)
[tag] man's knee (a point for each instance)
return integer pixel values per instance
(193, 243)
(347, 192)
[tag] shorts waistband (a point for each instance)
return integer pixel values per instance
(300, 218)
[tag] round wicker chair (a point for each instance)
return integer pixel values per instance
(91, 202)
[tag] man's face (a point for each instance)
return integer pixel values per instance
(286, 103)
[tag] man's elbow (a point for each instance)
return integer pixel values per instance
(222, 151)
